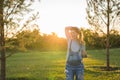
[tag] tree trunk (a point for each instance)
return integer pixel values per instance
(107, 42)
(2, 44)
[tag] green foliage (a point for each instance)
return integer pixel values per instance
(27, 38)
(114, 39)
(96, 40)
(34, 40)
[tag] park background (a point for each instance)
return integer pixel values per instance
(35, 43)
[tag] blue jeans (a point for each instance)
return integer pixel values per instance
(74, 71)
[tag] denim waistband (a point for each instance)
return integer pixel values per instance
(81, 64)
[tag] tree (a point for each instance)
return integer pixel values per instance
(30, 36)
(14, 16)
(2, 42)
(11, 14)
(103, 15)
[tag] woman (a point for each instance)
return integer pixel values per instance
(74, 64)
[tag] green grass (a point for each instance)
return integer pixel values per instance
(97, 59)
(35, 65)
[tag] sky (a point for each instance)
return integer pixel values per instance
(55, 15)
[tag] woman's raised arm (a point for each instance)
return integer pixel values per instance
(68, 31)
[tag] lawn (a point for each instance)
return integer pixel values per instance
(35, 65)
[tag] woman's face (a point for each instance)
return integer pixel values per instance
(74, 35)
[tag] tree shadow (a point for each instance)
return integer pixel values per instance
(19, 78)
(89, 71)
(104, 68)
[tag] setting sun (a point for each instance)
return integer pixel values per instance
(55, 15)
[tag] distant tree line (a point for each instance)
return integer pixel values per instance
(97, 40)
(35, 40)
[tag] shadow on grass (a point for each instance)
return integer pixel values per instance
(19, 78)
(104, 68)
(99, 71)
(24, 78)
(89, 71)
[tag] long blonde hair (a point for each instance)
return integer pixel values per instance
(80, 36)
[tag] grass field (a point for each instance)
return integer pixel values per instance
(35, 65)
